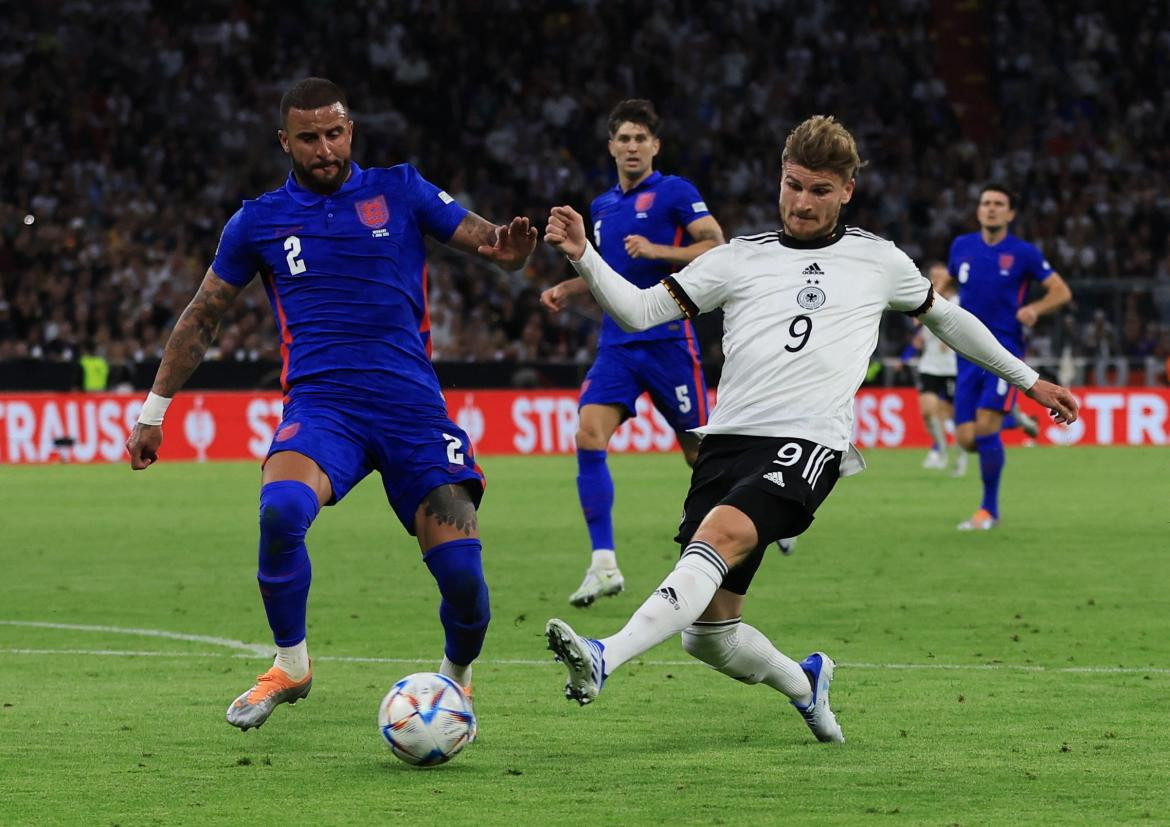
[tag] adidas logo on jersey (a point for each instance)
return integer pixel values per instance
(668, 594)
(776, 477)
(813, 269)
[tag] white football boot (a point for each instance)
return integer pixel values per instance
(597, 583)
(583, 657)
(818, 714)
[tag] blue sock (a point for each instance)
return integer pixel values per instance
(1009, 422)
(595, 489)
(457, 567)
(287, 509)
(991, 459)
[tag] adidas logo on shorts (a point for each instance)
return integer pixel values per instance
(776, 477)
(670, 595)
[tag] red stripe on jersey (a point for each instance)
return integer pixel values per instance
(700, 397)
(285, 334)
(1023, 290)
(425, 324)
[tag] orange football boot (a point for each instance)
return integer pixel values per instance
(273, 687)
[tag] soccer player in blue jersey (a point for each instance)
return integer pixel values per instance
(646, 227)
(340, 251)
(994, 270)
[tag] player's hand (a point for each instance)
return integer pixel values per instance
(143, 445)
(555, 298)
(515, 242)
(566, 232)
(1060, 403)
(1027, 316)
(638, 246)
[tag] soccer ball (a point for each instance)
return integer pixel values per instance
(426, 719)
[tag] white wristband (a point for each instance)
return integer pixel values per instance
(153, 409)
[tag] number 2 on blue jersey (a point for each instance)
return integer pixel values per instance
(296, 265)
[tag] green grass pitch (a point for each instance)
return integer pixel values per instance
(1018, 676)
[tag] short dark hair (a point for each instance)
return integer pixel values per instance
(996, 187)
(311, 93)
(635, 110)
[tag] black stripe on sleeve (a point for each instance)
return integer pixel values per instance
(927, 303)
(688, 307)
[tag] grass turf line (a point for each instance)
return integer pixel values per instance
(1072, 578)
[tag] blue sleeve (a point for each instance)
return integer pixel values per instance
(1038, 266)
(235, 259)
(437, 213)
(686, 204)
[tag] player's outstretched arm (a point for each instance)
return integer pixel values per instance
(632, 308)
(193, 334)
(508, 245)
(1058, 400)
(967, 335)
(705, 233)
(1057, 293)
(556, 298)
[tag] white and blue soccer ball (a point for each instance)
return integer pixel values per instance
(426, 719)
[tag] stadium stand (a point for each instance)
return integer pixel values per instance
(135, 128)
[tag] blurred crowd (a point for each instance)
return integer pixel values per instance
(135, 127)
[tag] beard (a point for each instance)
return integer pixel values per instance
(319, 179)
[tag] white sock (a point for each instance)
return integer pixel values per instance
(460, 674)
(674, 605)
(604, 558)
(935, 428)
(293, 660)
(742, 652)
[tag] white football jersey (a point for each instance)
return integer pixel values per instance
(937, 358)
(800, 321)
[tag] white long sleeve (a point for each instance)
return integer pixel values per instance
(971, 338)
(631, 307)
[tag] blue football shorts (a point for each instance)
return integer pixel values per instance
(416, 450)
(668, 369)
(977, 388)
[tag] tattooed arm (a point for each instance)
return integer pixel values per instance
(193, 334)
(508, 245)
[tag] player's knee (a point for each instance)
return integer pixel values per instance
(985, 429)
(287, 509)
(713, 645)
(591, 438)
(732, 535)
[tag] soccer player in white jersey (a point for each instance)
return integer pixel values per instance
(936, 380)
(801, 308)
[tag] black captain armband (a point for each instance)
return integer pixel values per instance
(927, 303)
(688, 307)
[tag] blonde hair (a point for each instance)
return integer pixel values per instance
(822, 143)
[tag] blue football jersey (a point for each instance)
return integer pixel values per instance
(346, 274)
(659, 208)
(994, 279)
